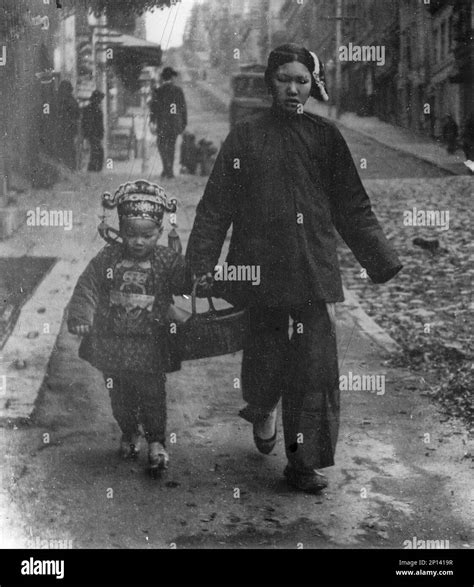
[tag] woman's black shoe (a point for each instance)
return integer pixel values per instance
(309, 483)
(265, 445)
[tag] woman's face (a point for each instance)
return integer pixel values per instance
(291, 86)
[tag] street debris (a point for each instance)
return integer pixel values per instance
(20, 364)
(427, 307)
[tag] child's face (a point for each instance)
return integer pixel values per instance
(140, 236)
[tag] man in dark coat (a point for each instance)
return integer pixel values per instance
(93, 130)
(169, 113)
(284, 180)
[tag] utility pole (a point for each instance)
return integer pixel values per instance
(3, 178)
(99, 60)
(269, 29)
(5, 82)
(338, 61)
(104, 82)
(144, 153)
(338, 76)
(3, 142)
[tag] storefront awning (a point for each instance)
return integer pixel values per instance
(147, 52)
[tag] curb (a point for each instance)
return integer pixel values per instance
(396, 148)
(368, 324)
(399, 149)
(25, 362)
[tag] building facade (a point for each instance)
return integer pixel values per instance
(450, 87)
(40, 46)
(28, 86)
(427, 68)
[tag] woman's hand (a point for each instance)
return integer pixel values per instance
(205, 283)
(80, 329)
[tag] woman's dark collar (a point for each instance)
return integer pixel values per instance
(281, 114)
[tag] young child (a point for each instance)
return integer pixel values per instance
(120, 306)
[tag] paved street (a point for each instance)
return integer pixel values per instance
(63, 480)
(383, 162)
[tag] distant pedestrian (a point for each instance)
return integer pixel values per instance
(93, 130)
(206, 156)
(450, 133)
(169, 113)
(120, 305)
(189, 153)
(67, 125)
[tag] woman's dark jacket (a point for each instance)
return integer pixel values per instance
(283, 182)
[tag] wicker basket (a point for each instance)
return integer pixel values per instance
(212, 333)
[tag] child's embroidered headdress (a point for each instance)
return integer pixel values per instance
(140, 199)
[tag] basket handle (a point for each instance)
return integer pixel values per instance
(193, 299)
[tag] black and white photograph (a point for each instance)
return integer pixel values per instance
(236, 289)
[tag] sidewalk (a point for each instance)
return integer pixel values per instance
(400, 139)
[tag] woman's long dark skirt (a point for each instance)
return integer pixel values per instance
(303, 372)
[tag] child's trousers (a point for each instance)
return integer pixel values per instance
(139, 398)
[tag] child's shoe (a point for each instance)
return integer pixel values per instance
(130, 446)
(158, 458)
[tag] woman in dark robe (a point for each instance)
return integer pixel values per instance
(68, 125)
(284, 180)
